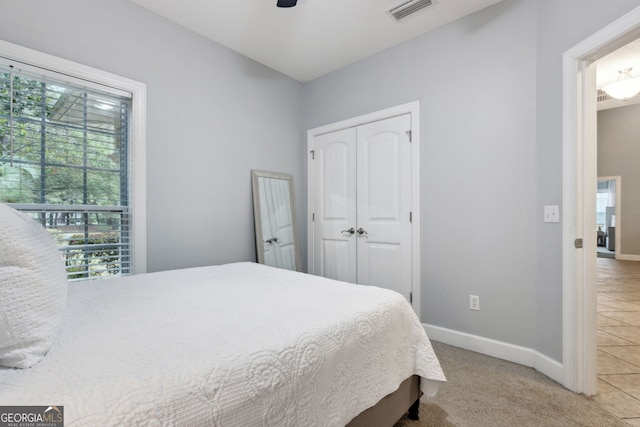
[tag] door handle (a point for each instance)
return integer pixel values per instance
(350, 231)
(361, 231)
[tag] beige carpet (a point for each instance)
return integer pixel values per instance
(484, 391)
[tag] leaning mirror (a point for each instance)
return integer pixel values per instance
(276, 233)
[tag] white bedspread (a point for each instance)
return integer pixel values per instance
(233, 345)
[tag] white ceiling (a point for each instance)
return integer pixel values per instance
(607, 69)
(317, 37)
(313, 38)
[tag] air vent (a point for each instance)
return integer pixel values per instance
(409, 7)
(603, 96)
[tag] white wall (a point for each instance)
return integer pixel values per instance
(490, 91)
(213, 115)
(619, 155)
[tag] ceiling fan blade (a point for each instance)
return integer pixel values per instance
(287, 3)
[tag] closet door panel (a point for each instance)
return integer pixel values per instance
(334, 166)
(384, 204)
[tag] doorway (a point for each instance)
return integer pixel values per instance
(579, 179)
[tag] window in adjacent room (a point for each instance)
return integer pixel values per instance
(601, 207)
(65, 159)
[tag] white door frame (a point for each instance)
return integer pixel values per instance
(412, 108)
(578, 192)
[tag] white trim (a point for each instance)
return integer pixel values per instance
(408, 108)
(501, 350)
(45, 61)
(628, 257)
(416, 273)
(138, 131)
(617, 247)
(139, 177)
(412, 108)
(579, 311)
(569, 230)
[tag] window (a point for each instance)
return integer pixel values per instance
(601, 207)
(65, 148)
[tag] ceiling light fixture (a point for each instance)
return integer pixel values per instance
(287, 3)
(625, 87)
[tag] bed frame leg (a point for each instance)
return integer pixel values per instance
(414, 410)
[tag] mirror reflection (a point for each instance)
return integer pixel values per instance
(276, 235)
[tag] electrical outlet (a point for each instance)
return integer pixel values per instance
(474, 302)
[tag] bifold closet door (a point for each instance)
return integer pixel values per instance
(362, 199)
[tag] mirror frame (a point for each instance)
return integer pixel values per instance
(257, 214)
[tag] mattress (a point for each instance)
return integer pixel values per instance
(240, 344)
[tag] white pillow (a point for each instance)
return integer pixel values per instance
(33, 289)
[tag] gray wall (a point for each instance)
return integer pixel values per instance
(213, 115)
(619, 155)
(561, 25)
(490, 92)
(476, 88)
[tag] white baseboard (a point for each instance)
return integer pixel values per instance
(501, 350)
(628, 257)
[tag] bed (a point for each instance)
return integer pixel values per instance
(239, 344)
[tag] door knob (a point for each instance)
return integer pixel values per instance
(350, 231)
(361, 231)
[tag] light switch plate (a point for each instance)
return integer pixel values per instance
(552, 213)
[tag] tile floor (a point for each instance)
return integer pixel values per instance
(619, 338)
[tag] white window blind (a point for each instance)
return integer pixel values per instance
(64, 159)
